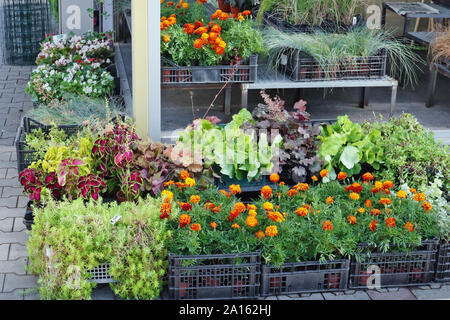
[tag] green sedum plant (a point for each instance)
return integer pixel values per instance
(69, 239)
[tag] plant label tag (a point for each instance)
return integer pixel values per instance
(115, 219)
(59, 37)
(284, 59)
(355, 20)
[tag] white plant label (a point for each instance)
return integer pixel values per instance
(115, 219)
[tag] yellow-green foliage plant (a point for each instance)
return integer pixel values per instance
(69, 239)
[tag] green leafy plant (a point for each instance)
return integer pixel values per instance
(345, 146)
(298, 157)
(233, 150)
(411, 154)
(69, 239)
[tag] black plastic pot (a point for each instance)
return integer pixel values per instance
(28, 219)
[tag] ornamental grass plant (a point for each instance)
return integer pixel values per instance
(331, 49)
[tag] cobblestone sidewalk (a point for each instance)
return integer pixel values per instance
(17, 284)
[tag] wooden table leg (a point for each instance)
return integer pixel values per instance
(431, 88)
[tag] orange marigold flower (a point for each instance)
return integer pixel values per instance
(427, 206)
(167, 195)
(186, 206)
(240, 207)
(388, 185)
(223, 192)
(368, 203)
(378, 185)
(266, 192)
(375, 212)
(355, 187)
(314, 178)
(252, 213)
(367, 176)
(302, 187)
(323, 173)
(234, 214)
(198, 44)
(401, 194)
(341, 176)
(409, 226)
(169, 183)
(373, 225)
(235, 189)
(268, 206)
(184, 220)
(385, 201)
(195, 199)
(327, 225)
(190, 182)
(292, 193)
(329, 200)
(275, 216)
(189, 28)
(260, 235)
(390, 222)
(251, 221)
(351, 219)
(166, 208)
(302, 211)
(213, 225)
(196, 227)
(271, 231)
(419, 197)
(354, 196)
(216, 209)
(274, 177)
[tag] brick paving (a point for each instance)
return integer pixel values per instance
(17, 284)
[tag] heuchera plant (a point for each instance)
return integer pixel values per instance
(298, 153)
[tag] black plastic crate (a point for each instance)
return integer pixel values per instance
(241, 73)
(300, 67)
(305, 277)
(227, 276)
(25, 156)
(443, 263)
(397, 269)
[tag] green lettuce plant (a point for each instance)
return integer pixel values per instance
(345, 146)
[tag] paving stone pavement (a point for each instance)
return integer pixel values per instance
(17, 284)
